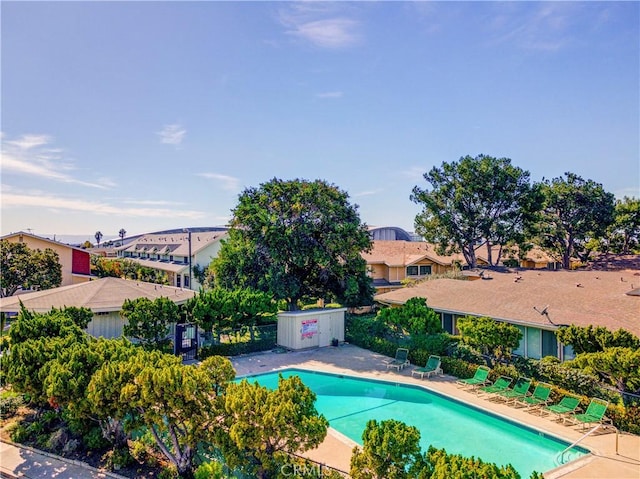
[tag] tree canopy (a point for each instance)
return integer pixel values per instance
(391, 450)
(23, 267)
(413, 317)
(593, 339)
(491, 337)
(475, 201)
(624, 236)
(148, 321)
(296, 239)
(263, 426)
(575, 211)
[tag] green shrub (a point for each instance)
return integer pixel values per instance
(9, 403)
(458, 367)
(21, 434)
(117, 458)
(94, 439)
(210, 470)
(138, 450)
(437, 344)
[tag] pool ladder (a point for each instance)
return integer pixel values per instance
(560, 456)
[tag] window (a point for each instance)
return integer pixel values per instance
(421, 270)
(534, 349)
(549, 344)
(171, 258)
(186, 281)
(178, 280)
(185, 260)
(447, 323)
(520, 349)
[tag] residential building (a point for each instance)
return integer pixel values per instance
(392, 263)
(104, 296)
(75, 262)
(176, 253)
(536, 301)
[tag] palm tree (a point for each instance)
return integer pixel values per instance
(122, 234)
(98, 237)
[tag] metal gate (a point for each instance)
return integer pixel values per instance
(185, 343)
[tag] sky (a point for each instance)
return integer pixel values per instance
(157, 115)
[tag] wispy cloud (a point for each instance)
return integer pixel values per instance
(152, 202)
(414, 173)
(368, 193)
(329, 94)
(46, 201)
(228, 183)
(172, 134)
(544, 26)
(32, 155)
(323, 24)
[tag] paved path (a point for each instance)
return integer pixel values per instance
(24, 462)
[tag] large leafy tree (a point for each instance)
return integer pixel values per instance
(391, 450)
(296, 239)
(474, 201)
(149, 321)
(493, 338)
(618, 366)
(624, 235)
(264, 426)
(180, 404)
(593, 339)
(23, 267)
(575, 211)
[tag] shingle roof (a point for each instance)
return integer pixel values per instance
(571, 297)
(402, 253)
(102, 295)
(175, 243)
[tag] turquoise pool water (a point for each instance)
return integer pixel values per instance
(349, 402)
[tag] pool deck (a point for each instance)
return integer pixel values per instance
(335, 451)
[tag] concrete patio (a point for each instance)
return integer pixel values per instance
(335, 451)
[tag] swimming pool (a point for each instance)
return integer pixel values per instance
(349, 402)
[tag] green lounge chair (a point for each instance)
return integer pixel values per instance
(478, 379)
(519, 390)
(501, 384)
(595, 413)
(432, 367)
(539, 397)
(567, 405)
(400, 361)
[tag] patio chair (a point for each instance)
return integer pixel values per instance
(519, 390)
(432, 367)
(567, 405)
(478, 379)
(501, 384)
(400, 361)
(539, 397)
(595, 413)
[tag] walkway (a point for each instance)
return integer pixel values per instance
(603, 463)
(18, 461)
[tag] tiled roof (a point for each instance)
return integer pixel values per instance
(101, 295)
(570, 297)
